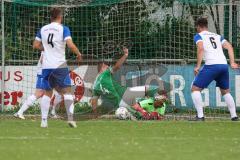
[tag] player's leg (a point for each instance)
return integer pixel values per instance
(45, 105)
(223, 83)
(57, 99)
(230, 103)
(206, 75)
(197, 100)
(69, 105)
(31, 99)
(29, 102)
(64, 87)
(129, 101)
(46, 99)
(130, 95)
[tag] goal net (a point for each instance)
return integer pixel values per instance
(159, 35)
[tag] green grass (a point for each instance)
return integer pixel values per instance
(119, 140)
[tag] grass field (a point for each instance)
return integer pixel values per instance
(119, 140)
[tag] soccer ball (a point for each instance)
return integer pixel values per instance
(122, 113)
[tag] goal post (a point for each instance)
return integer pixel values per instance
(3, 53)
(159, 35)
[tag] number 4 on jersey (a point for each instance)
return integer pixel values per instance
(50, 39)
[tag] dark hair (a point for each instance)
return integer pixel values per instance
(100, 64)
(55, 13)
(202, 22)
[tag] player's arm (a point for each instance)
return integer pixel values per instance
(41, 58)
(68, 38)
(38, 45)
(228, 46)
(200, 52)
(120, 62)
(94, 103)
(74, 49)
(143, 112)
(94, 100)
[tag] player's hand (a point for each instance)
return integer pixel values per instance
(79, 57)
(196, 70)
(125, 50)
(234, 65)
(146, 116)
(155, 116)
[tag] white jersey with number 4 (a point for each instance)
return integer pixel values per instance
(212, 44)
(53, 37)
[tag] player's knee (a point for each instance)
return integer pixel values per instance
(39, 93)
(68, 97)
(48, 93)
(58, 97)
(195, 88)
(64, 91)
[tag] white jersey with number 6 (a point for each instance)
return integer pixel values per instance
(212, 44)
(53, 37)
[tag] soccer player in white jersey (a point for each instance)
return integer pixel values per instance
(38, 94)
(52, 39)
(210, 48)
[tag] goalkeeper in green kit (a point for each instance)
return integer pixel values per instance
(114, 95)
(150, 108)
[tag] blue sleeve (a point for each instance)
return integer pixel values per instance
(222, 39)
(197, 38)
(66, 32)
(38, 35)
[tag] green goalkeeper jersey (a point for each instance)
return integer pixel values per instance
(148, 105)
(108, 89)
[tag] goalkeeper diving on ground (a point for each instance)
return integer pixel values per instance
(114, 95)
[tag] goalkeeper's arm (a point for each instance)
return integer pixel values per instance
(144, 113)
(120, 62)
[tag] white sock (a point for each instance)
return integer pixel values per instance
(69, 104)
(231, 104)
(53, 111)
(198, 103)
(57, 100)
(45, 104)
(138, 88)
(27, 103)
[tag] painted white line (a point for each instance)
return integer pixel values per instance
(130, 139)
